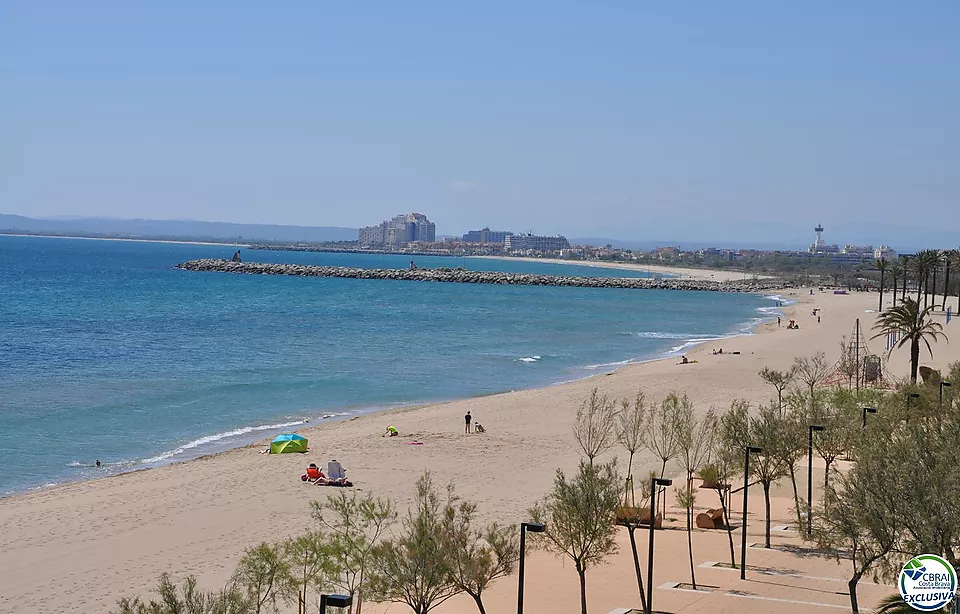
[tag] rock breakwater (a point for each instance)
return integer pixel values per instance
(478, 277)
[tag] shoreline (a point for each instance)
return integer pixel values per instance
(699, 274)
(197, 517)
(318, 418)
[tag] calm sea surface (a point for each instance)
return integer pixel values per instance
(108, 352)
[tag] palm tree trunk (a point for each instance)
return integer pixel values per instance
(914, 359)
(946, 284)
(926, 289)
(880, 308)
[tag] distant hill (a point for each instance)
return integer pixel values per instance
(176, 229)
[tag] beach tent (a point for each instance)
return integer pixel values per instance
(283, 444)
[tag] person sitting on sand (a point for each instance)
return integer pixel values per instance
(479, 428)
(683, 360)
(391, 432)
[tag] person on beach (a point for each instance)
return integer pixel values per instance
(467, 418)
(236, 257)
(391, 432)
(778, 322)
(98, 463)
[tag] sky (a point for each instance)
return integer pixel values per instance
(630, 120)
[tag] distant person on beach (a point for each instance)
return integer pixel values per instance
(818, 319)
(391, 432)
(467, 418)
(98, 463)
(413, 267)
(480, 429)
(236, 257)
(778, 321)
(683, 360)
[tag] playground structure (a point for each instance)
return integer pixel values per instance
(858, 366)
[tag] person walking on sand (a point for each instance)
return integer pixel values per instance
(778, 321)
(467, 418)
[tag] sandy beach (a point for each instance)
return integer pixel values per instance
(683, 272)
(79, 547)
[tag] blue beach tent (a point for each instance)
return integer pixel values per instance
(282, 444)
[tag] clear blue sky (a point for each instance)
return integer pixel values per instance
(693, 120)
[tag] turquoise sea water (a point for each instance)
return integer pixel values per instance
(108, 352)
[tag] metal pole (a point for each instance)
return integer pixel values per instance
(523, 535)
(323, 604)
(653, 509)
(743, 532)
(810, 483)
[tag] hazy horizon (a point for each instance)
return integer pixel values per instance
(699, 122)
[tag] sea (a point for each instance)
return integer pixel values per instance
(107, 352)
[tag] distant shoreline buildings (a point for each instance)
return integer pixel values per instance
(851, 254)
(414, 229)
(401, 230)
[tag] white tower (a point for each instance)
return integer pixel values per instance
(819, 244)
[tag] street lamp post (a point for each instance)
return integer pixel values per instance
(655, 482)
(334, 601)
(533, 527)
(746, 487)
(867, 410)
(818, 428)
(942, 384)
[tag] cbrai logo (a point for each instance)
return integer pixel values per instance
(927, 582)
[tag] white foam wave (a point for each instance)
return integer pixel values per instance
(217, 437)
(669, 335)
(529, 359)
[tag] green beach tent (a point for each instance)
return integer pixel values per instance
(283, 444)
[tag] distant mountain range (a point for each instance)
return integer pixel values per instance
(176, 229)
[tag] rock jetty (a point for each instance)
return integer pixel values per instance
(479, 277)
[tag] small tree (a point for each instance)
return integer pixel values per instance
(717, 473)
(579, 515)
(841, 421)
(355, 527)
(662, 440)
(631, 430)
(479, 556)
(791, 447)
(261, 573)
(230, 600)
(779, 380)
(310, 561)
(811, 371)
(766, 432)
(854, 522)
(417, 567)
(686, 497)
(596, 423)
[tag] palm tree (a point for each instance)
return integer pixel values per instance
(905, 264)
(924, 262)
(914, 326)
(934, 266)
(881, 265)
(896, 271)
(894, 604)
(956, 263)
(950, 257)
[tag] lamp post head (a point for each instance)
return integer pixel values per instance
(870, 410)
(662, 481)
(754, 450)
(338, 601)
(947, 384)
(817, 427)
(533, 527)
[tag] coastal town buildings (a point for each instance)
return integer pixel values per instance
(535, 243)
(485, 235)
(399, 231)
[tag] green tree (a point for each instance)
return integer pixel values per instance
(662, 439)
(310, 562)
(694, 442)
(767, 431)
(631, 431)
(480, 556)
(595, 426)
(261, 573)
(579, 515)
(189, 600)
(417, 567)
(914, 326)
(717, 473)
(881, 264)
(686, 498)
(811, 371)
(779, 380)
(355, 526)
